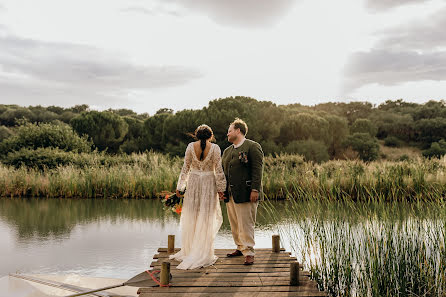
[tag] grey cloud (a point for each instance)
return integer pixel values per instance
(426, 34)
(30, 68)
(387, 67)
(240, 13)
(382, 5)
(412, 52)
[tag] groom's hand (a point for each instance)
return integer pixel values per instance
(254, 196)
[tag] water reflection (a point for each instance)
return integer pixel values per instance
(110, 238)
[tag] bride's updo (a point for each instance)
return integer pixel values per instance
(203, 133)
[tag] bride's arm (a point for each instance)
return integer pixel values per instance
(182, 180)
(218, 171)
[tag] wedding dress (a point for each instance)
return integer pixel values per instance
(201, 216)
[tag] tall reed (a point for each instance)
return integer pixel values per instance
(285, 177)
(371, 248)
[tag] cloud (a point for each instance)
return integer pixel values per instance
(423, 34)
(387, 67)
(30, 68)
(382, 5)
(405, 53)
(237, 13)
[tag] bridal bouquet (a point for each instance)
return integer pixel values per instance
(173, 202)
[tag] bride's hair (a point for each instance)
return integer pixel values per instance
(203, 133)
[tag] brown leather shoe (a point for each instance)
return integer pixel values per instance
(236, 253)
(249, 260)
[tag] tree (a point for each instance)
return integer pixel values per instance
(165, 110)
(303, 126)
(366, 146)
(312, 150)
(13, 115)
(153, 137)
(106, 129)
(363, 126)
(430, 130)
(4, 133)
(337, 133)
(79, 108)
(356, 110)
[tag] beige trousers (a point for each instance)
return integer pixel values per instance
(242, 217)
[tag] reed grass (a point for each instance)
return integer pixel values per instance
(373, 248)
(285, 177)
(135, 176)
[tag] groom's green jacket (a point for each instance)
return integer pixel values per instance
(243, 167)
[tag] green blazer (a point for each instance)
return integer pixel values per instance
(243, 167)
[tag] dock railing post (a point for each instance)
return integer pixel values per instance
(165, 273)
(294, 274)
(171, 244)
(276, 243)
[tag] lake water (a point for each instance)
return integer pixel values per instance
(106, 238)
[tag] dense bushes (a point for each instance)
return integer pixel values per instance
(33, 136)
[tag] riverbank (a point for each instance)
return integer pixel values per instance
(148, 175)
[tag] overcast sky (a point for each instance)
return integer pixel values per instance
(180, 54)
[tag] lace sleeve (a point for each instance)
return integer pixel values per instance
(182, 180)
(218, 170)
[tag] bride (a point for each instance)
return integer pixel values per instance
(201, 216)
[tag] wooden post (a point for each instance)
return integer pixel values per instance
(294, 274)
(165, 273)
(171, 244)
(276, 243)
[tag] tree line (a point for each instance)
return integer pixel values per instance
(334, 130)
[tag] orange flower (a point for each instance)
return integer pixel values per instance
(178, 209)
(167, 197)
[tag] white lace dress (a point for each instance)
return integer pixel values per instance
(201, 216)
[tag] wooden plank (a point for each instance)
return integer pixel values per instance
(238, 294)
(268, 277)
(307, 287)
(218, 274)
(263, 257)
(222, 266)
(251, 282)
(226, 250)
(241, 268)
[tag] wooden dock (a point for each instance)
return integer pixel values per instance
(274, 273)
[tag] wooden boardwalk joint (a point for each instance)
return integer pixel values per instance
(270, 276)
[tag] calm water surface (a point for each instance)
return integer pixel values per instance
(107, 238)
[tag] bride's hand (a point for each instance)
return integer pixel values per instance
(178, 193)
(221, 195)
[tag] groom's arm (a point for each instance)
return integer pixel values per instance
(256, 154)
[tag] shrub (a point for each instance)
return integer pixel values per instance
(4, 133)
(366, 146)
(392, 141)
(437, 149)
(363, 126)
(312, 150)
(40, 158)
(33, 136)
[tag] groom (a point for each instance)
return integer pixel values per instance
(243, 167)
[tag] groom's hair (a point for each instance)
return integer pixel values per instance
(240, 124)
